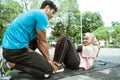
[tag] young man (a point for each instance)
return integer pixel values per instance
(26, 33)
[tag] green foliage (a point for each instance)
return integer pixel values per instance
(2, 30)
(116, 33)
(59, 30)
(14, 9)
(30, 4)
(118, 37)
(68, 14)
(109, 34)
(115, 23)
(102, 33)
(91, 21)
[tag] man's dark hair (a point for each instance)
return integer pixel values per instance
(50, 3)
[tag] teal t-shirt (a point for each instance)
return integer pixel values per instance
(23, 29)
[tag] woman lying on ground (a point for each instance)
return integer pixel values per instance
(82, 58)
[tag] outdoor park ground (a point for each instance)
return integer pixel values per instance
(107, 55)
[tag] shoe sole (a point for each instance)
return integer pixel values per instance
(61, 70)
(5, 77)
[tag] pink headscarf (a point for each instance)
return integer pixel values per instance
(94, 41)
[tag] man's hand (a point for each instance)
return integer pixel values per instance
(53, 66)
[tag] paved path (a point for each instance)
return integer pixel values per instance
(106, 54)
(110, 55)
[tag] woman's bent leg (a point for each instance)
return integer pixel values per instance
(60, 50)
(65, 52)
(72, 59)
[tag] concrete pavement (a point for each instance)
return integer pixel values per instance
(106, 54)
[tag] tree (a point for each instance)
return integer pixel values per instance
(91, 21)
(115, 23)
(29, 4)
(36, 4)
(59, 30)
(102, 33)
(116, 33)
(68, 14)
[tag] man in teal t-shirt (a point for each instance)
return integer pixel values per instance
(26, 33)
(23, 29)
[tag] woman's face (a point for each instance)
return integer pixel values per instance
(86, 40)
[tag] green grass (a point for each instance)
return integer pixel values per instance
(8, 72)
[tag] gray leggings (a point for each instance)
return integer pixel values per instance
(29, 62)
(65, 52)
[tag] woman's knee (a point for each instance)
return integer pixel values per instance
(65, 38)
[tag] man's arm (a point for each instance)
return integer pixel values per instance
(43, 47)
(42, 43)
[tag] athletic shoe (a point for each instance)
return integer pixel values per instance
(5, 77)
(3, 66)
(60, 69)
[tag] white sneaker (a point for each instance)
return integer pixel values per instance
(60, 69)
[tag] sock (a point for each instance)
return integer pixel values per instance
(8, 66)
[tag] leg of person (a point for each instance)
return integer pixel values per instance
(60, 50)
(29, 62)
(72, 59)
(37, 66)
(3, 76)
(38, 74)
(65, 52)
